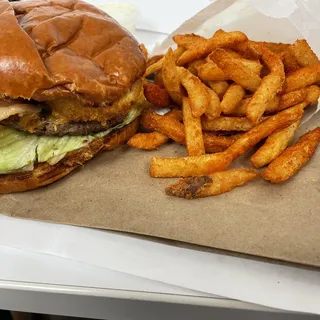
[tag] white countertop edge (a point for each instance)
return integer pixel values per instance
(132, 295)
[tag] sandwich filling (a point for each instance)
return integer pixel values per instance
(67, 116)
(21, 150)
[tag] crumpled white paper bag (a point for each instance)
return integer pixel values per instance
(268, 20)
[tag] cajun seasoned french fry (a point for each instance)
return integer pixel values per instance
(193, 130)
(188, 41)
(244, 49)
(233, 54)
(194, 44)
(175, 114)
(309, 94)
(304, 54)
(274, 145)
(173, 129)
(291, 98)
(154, 67)
(210, 71)
(170, 77)
(197, 46)
(254, 65)
(232, 98)
(270, 86)
(273, 105)
(264, 129)
(267, 91)
(194, 66)
(156, 95)
(214, 109)
(188, 188)
(198, 93)
(219, 87)
(290, 161)
(155, 60)
(290, 62)
(273, 46)
(189, 56)
(226, 124)
(148, 141)
(158, 79)
(178, 52)
(271, 59)
(214, 143)
(152, 60)
(240, 110)
(249, 49)
(189, 166)
(313, 93)
(212, 185)
(302, 78)
(222, 39)
(166, 125)
(235, 70)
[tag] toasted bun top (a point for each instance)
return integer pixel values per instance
(57, 48)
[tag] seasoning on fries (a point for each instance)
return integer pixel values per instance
(148, 141)
(274, 145)
(226, 94)
(219, 87)
(236, 70)
(156, 95)
(232, 98)
(198, 93)
(289, 162)
(189, 166)
(302, 78)
(166, 125)
(193, 130)
(264, 129)
(212, 185)
(226, 124)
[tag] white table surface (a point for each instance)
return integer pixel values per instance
(47, 284)
(26, 276)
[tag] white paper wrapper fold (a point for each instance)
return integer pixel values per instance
(264, 20)
(273, 285)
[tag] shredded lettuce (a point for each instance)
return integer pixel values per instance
(20, 150)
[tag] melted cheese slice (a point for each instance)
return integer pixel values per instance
(8, 109)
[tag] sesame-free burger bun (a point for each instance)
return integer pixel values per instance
(65, 48)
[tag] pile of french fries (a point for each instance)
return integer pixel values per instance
(227, 94)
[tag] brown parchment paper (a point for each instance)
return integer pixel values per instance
(114, 191)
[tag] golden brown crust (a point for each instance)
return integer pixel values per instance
(44, 173)
(65, 48)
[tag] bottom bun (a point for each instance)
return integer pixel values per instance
(44, 173)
